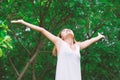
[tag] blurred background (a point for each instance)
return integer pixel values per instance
(26, 54)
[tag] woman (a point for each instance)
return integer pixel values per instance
(66, 49)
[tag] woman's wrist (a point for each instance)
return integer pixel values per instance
(21, 21)
(100, 37)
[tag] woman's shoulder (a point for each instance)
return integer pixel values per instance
(78, 43)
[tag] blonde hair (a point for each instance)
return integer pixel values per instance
(54, 52)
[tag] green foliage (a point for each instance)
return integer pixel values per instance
(100, 61)
(4, 38)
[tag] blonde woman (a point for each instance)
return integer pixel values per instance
(67, 50)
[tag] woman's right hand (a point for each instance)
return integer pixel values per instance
(17, 21)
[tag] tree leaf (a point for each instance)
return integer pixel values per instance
(1, 53)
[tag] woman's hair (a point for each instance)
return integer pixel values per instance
(54, 52)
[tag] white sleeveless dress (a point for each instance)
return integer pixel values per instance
(68, 63)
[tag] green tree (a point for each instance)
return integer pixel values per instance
(4, 38)
(31, 57)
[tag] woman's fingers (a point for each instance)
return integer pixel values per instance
(16, 21)
(13, 21)
(101, 35)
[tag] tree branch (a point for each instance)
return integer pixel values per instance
(54, 18)
(17, 73)
(33, 70)
(30, 61)
(21, 43)
(63, 19)
(97, 28)
(87, 27)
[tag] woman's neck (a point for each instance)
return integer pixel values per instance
(69, 41)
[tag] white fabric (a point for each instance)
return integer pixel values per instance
(68, 63)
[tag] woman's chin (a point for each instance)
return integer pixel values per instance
(70, 35)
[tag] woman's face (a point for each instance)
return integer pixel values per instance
(67, 32)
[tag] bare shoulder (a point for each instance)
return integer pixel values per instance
(78, 42)
(59, 41)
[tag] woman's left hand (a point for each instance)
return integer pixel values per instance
(101, 36)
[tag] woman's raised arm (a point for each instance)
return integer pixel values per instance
(48, 35)
(87, 43)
